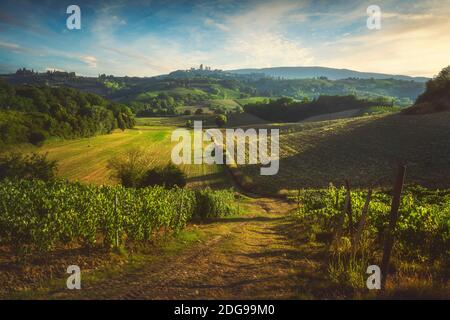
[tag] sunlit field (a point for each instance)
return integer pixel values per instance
(86, 160)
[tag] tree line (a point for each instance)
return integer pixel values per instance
(31, 114)
(289, 110)
(436, 97)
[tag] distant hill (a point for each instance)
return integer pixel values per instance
(316, 72)
(163, 94)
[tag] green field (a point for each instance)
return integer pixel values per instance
(245, 101)
(228, 104)
(177, 92)
(86, 159)
(365, 150)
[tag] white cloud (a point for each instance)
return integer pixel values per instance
(265, 50)
(414, 43)
(220, 26)
(416, 46)
(9, 45)
(91, 61)
(255, 38)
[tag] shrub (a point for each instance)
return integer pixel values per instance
(213, 204)
(221, 120)
(34, 166)
(129, 167)
(37, 137)
(168, 176)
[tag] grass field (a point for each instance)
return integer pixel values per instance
(228, 104)
(245, 101)
(177, 92)
(178, 121)
(365, 150)
(86, 159)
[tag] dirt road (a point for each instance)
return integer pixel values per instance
(257, 256)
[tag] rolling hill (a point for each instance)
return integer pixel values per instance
(185, 87)
(316, 72)
(365, 150)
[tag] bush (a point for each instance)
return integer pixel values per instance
(221, 120)
(213, 204)
(129, 167)
(34, 166)
(37, 137)
(168, 176)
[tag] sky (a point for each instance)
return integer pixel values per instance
(147, 38)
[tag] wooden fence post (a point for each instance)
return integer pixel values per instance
(340, 223)
(389, 240)
(362, 222)
(349, 210)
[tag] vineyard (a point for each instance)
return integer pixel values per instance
(424, 216)
(362, 149)
(36, 215)
(422, 232)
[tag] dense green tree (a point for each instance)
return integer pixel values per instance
(436, 97)
(33, 113)
(168, 176)
(34, 166)
(221, 120)
(286, 109)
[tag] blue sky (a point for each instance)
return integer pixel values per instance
(146, 38)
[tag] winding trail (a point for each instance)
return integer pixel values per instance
(256, 256)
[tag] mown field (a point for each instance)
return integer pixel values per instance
(86, 160)
(364, 150)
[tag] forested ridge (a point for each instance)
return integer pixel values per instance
(30, 113)
(163, 95)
